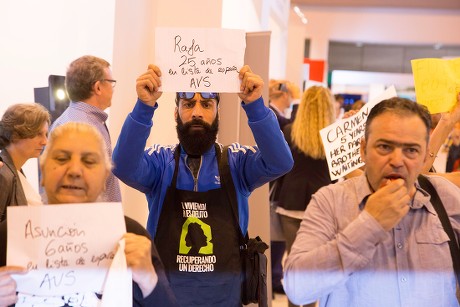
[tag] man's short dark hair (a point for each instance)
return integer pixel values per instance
(400, 106)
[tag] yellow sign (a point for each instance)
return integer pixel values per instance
(437, 82)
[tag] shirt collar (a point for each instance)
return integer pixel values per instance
(422, 199)
(87, 108)
(210, 152)
(363, 190)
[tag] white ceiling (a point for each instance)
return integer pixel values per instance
(421, 4)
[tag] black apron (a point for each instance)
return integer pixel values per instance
(198, 244)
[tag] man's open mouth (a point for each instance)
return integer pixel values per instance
(393, 177)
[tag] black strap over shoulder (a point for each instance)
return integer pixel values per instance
(226, 183)
(253, 260)
(444, 218)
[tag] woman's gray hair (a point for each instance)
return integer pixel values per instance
(63, 130)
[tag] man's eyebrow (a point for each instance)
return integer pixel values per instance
(188, 100)
(398, 144)
(208, 99)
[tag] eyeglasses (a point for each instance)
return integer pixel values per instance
(282, 87)
(114, 82)
(204, 95)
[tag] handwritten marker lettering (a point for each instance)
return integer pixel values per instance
(59, 232)
(190, 50)
(68, 247)
(60, 279)
(56, 263)
(102, 257)
(209, 61)
(195, 82)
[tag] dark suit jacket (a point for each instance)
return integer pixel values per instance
(275, 185)
(283, 121)
(11, 192)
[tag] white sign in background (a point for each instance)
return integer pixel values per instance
(67, 248)
(199, 59)
(342, 139)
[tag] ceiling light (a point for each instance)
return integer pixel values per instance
(300, 14)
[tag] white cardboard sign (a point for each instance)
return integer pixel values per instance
(67, 248)
(199, 59)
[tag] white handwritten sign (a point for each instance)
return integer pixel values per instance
(199, 59)
(342, 139)
(67, 248)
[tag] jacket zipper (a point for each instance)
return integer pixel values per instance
(195, 179)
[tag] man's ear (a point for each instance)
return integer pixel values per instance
(97, 87)
(427, 152)
(176, 113)
(362, 150)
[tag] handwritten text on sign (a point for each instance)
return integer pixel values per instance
(437, 83)
(67, 248)
(342, 139)
(199, 60)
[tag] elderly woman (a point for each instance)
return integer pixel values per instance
(23, 135)
(74, 171)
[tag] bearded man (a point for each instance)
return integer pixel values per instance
(183, 187)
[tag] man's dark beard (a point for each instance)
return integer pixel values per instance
(197, 142)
